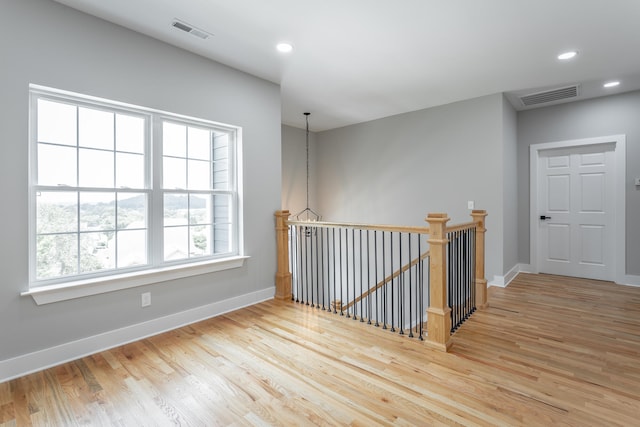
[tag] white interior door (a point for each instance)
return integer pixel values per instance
(576, 211)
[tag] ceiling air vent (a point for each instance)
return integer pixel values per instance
(550, 96)
(181, 25)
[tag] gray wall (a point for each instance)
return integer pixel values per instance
(612, 115)
(294, 170)
(45, 43)
(397, 169)
(510, 185)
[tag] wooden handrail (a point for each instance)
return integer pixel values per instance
(394, 228)
(461, 227)
(387, 279)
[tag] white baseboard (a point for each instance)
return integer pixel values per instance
(42, 359)
(525, 268)
(503, 281)
(630, 280)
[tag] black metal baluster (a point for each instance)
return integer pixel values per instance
(411, 284)
(459, 273)
(354, 283)
(384, 286)
(420, 288)
(346, 262)
(291, 255)
(456, 255)
(369, 277)
(328, 283)
(361, 278)
(450, 278)
(375, 244)
(393, 318)
(321, 267)
(400, 287)
(467, 290)
(340, 269)
(310, 285)
(473, 267)
(299, 261)
(308, 266)
(334, 270)
(460, 248)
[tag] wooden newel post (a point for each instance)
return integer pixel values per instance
(283, 275)
(438, 313)
(481, 281)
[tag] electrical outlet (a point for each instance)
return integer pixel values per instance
(146, 299)
(471, 204)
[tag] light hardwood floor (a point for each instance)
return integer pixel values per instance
(548, 351)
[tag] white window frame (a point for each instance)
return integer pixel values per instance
(156, 269)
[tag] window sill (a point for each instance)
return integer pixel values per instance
(82, 288)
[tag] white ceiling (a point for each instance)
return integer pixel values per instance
(358, 60)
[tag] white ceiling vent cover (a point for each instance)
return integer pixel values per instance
(550, 96)
(181, 25)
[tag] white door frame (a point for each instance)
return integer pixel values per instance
(619, 256)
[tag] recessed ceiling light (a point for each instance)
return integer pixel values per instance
(284, 47)
(612, 84)
(567, 55)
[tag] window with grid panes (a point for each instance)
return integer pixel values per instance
(118, 188)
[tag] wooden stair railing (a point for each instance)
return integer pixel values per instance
(387, 280)
(438, 313)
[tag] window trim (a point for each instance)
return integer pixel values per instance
(82, 288)
(157, 269)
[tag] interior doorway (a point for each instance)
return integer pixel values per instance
(577, 207)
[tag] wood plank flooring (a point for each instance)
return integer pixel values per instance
(548, 351)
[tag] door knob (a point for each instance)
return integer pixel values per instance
(543, 217)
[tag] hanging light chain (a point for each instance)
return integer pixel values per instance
(307, 140)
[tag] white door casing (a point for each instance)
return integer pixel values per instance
(575, 195)
(579, 184)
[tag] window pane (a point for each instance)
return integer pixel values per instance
(174, 173)
(222, 238)
(129, 134)
(199, 144)
(174, 140)
(97, 251)
(56, 255)
(57, 212)
(96, 168)
(132, 211)
(176, 243)
(200, 240)
(129, 170)
(132, 248)
(97, 211)
(56, 123)
(176, 209)
(96, 128)
(199, 175)
(200, 209)
(57, 165)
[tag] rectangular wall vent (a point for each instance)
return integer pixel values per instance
(550, 96)
(181, 25)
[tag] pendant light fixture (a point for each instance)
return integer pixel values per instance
(307, 214)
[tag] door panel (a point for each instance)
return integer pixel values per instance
(559, 199)
(575, 191)
(559, 239)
